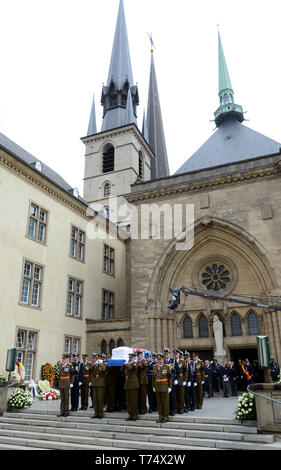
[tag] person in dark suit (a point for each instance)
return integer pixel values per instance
(190, 387)
(74, 393)
(216, 375)
(233, 377)
(274, 370)
(225, 378)
(208, 386)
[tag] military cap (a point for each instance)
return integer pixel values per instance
(94, 354)
(75, 355)
(176, 351)
(195, 354)
(154, 354)
(186, 354)
(166, 350)
(98, 356)
(147, 354)
(108, 355)
(160, 355)
(65, 356)
(133, 354)
(85, 355)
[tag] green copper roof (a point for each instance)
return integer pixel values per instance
(224, 79)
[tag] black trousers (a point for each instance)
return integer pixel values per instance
(189, 397)
(74, 395)
(225, 388)
(152, 403)
(233, 386)
(208, 386)
(173, 402)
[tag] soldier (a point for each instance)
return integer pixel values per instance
(94, 358)
(131, 386)
(233, 378)
(97, 379)
(66, 379)
(84, 381)
(175, 376)
(189, 388)
(274, 370)
(143, 380)
(180, 383)
(74, 398)
(151, 395)
(225, 378)
(110, 387)
(162, 385)
(209, 378)
(200, 379)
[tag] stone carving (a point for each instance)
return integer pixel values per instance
(218, 334)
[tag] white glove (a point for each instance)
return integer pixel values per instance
(80, 383)
(202, 382)
(169, 390)
(184, 384)
(195, 384)
(90, 383)
(176, 382)
(99, 361)
(71, 385)
(189, 384)
(154, 390)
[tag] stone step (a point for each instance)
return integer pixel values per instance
(114, 431)
(14, 447)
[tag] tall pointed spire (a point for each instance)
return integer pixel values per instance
(228, 108)
(156, 135)
(92, 127)
(120, 78)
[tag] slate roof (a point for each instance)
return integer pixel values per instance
(231, 142)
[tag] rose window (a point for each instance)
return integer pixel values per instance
(215, 277)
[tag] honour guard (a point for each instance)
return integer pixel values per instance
(143, 380)
(131, 386)
(97, 379)
(66, 379)
(175, 376)
(180, 383)
(162, 384)
(191, 379)
(110, 387)
(200, 379)
(74, 399)
(84, 381)
(151, 395)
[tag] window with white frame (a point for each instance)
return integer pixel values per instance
(31, 284)
(72, 345)
(107, 305)
(108, 260)
(26, 346)
(77, 244)
(74, 297)
(37, 223)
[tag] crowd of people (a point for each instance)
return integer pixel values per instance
(164, 382)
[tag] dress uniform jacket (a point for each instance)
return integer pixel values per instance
(161, 381)
(175, 376)
(143, 381)
(200, 377)
(182, 377)
(75, 388)
(131, 387)
(189, 389)
(97, 374)
(66, 378)
(85, 379)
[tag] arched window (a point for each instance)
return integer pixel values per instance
(107, 190)
(253, 323)
(236, 328)
(108, 159)
(203, 327)
(103, 347)
(111, 345)
(187, 328)
(120, 342)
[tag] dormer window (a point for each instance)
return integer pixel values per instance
(38, 166)
(75, 192)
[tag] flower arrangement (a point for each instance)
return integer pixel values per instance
(246, 409)
(48, 373)
(20, 399)
(56, 369)
(52, 394)
(2, 378)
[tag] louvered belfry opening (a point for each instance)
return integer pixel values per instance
(108, 160)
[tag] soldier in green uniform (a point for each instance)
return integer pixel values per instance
(66, 380)
(143, 380)
(110, 387)
(97, 374)
(162, 386)
(131, 386)
(200, 379)
(84, 381)
(181, 382)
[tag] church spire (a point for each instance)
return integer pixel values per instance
(120, 79)
(92, 127)
(156, 135)
(227, 108)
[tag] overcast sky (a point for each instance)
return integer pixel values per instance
(55, 55)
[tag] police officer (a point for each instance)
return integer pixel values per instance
(180, 383)
(175, 377)
(162, 384)
(84, 371)
(191, 384)
(274, 370)
(143, 380)
(97, 379)
(74, 393)
(131, 386)
(200, 379)
(66, 379)
(151, 394)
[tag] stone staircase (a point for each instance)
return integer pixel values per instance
(39, 429)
